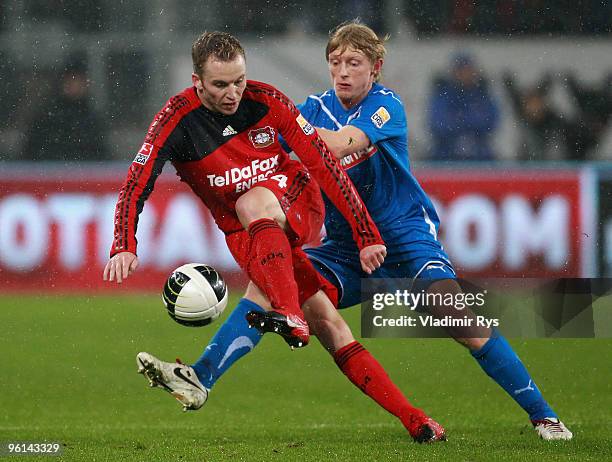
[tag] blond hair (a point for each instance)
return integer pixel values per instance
(357, 35)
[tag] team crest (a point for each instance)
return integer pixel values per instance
(262, 137)
(305, 126)
(381, 117)
(144, 153)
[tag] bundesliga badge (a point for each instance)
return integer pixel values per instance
(144, 153)
(380, 117)
(262, 137)
(304, 125)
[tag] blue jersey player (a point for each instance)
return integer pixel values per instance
(363, 123)
(376, 126)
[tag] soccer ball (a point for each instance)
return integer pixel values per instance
(195, 294)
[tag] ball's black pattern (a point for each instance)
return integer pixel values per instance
(214, 279)
(175, 283)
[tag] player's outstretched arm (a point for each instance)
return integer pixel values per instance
(345, 141)
(120, 266)
(372, 257)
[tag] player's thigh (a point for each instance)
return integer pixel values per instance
(300, 199)
(257, 203)
(342, 268)
(415, 268)
(431, 272)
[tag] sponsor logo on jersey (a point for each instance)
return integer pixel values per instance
(245, 177)
(262, 137)
(144, 153)
(358, 157)
(229, 131)
(380, 117)
(304, 125)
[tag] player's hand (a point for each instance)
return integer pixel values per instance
(372, 257)
(120, 266)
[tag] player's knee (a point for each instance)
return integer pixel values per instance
(472, 344)
(256, 204)
(249, 208)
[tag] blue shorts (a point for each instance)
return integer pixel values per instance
(341, 267)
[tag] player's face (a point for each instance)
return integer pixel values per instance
(352, 74)
(222, 84)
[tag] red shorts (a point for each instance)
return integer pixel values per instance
(309, 280)
(301, 201)
(300, 198)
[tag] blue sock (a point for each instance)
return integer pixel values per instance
(500, 362)
(233, 340)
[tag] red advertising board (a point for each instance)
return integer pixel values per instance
(56, 232)
(511, 223)
(56, 226)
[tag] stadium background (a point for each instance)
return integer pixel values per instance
(538, 217)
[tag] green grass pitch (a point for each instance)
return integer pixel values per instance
(68, 374)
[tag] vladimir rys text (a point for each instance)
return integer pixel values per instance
(446, 310)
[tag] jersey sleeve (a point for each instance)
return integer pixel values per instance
(156, 150)
(326, 169)
(381, 117)
(306, 110)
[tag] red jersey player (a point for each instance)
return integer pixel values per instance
(222, 137)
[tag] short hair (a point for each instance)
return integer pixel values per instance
(221, 45)
(357, 35)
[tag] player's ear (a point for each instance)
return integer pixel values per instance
(197, 81)
(377, 67)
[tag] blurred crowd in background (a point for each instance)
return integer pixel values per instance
(464, 115)
(52, 100)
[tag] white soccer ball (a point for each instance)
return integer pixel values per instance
(195, 294)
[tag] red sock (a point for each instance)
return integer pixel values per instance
(366, 373)
(271, 265)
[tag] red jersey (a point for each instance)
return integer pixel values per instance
(222, 156)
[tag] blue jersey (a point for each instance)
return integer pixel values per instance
(404, 214)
